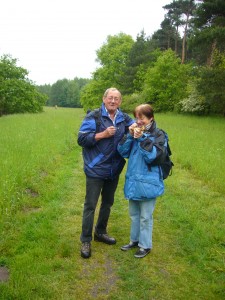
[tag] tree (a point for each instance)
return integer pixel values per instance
(187, 8)
(209, 29)
(142, 69)
(174, 20)
(17, 93)
(46, 90)
(59, 92)
(165, 37)
(179, 13)
(165, 83)
(140, 54)
(91, 94)
(65, 93)
(211, 84)
(112, 57)
(73, 94)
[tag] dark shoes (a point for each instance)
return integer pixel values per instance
(104, 238)
(142, 252)
(85, 251)
(129, 246)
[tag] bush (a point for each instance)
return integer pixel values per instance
(130, 102)
(17, 93)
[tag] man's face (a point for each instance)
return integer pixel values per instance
(112, 101)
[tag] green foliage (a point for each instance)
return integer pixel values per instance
(209, 30)
(17, 93)
(92, 93)
(142, 55)
(203, 43)
(195, 103)
(147, 70)
(45, 89)
(129, 102)
(112, 56)
(114, 52)
(211, 85)
(165, 83)
(210, 13)
(142, 68)
(65, 93)
(206, 89)
(166, 37)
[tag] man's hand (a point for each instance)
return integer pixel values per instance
(109, 132)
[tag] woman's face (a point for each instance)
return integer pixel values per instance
(142, 120)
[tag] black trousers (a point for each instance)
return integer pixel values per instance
(95, 187)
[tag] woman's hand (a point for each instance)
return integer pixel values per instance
(138, 132)
(131, 128)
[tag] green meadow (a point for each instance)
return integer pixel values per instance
(42, 189)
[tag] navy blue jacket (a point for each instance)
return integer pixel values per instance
(101, 158)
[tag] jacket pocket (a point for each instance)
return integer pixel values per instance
(142, 190)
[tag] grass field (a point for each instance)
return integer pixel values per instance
(42, 189)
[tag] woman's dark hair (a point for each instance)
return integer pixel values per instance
(144, 109)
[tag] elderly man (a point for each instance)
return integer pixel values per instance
(99, 135)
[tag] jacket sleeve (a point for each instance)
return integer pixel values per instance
(153, 149)
(160, 144)
(125, 145)
(86, 135)
(128, 119)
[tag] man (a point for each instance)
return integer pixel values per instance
(102, 165)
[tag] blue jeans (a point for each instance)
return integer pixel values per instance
(141, 214)
(95, 186)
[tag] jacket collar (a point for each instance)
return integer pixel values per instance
(118, 116)
(152, 127)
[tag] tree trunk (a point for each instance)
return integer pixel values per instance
(184, 40)
(176, 38)
(210, 58)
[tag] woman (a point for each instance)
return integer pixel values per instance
(143, 181)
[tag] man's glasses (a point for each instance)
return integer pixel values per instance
(116, 99)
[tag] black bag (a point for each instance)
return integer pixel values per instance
(167, 164)
(164, 160)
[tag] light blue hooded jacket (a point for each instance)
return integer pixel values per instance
(143, 181)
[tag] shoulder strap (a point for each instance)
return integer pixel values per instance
(97, 117)
(96, 114)
(126, 116)
(168, 146)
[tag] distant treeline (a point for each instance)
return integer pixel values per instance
(64, 93)
(183, 73)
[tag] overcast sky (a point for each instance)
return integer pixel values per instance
(56, 39)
